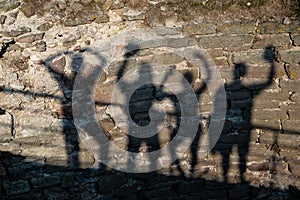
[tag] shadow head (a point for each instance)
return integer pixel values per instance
(131, 49)
(269, 53)
(240, 70)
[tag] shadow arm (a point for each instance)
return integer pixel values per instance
(270, 57)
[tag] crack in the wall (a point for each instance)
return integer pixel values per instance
(257, 141)
(287, 70)
(291, 94)
(288, 116)
(281, 130)
(292, 40)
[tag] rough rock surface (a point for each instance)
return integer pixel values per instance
(43, 45)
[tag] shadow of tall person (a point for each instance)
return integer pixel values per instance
(237, 129)
(198, 89)
(78, 107)
(140, 104)
(156, 86)
(55, 65)
(174, 114)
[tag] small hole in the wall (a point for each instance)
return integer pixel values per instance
(60, 35)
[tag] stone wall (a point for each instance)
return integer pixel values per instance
(43, 45)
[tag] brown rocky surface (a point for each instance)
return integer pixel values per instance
(43, 46)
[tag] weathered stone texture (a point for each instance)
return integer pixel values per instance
(274, 114)
(58, 64)
(291, 85)
(42, 155)
(201, 29)
(2, 19)
(270, 124)
(260, 103)
(278, 40)
(236, 28)
(28, 8)
(16, 187)
(29, 38)
(45, 26)
(221, 41)
(131, 15)
(291, 126)
(290, 56)
(252, 56)
(7, 5)
(295, 97)
(293, 71)
(272, 137)
(16, 32)
(295, 168)
(296, 39)
(6, 126)
(269, 96)
(46, 180)
(263, 70)
(275, 28)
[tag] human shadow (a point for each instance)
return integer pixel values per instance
(238, 126)
(55, 65)
(148, 94)
(164, 186)
(198, 89)
(140, 103)
(24, 178)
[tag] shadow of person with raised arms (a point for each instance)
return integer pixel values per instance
(237, 129)
(55, 65)
(140, 103)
